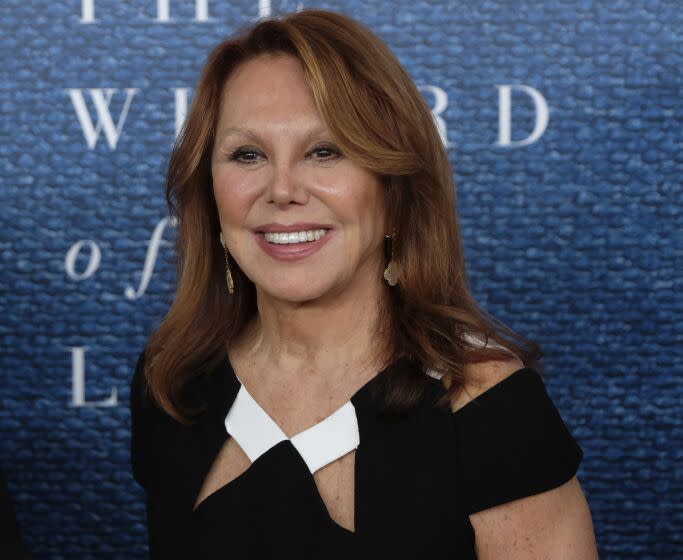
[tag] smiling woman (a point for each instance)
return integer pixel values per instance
(300, 181)
(324, 384)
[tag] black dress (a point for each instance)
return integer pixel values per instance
(418, 476)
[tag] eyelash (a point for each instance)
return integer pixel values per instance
(239, 152)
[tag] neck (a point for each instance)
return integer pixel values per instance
(307, 341)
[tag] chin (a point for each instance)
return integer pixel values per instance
(295, 296)
(298, 292)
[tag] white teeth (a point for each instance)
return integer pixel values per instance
(295, 236)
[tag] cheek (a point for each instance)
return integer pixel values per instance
(369, 206)
(355, 195)
(234, 197)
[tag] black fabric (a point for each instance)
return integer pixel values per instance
(512, 443)
(418, 476)
(140, 421)
(11, 545)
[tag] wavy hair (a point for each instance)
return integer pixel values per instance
(382, 122)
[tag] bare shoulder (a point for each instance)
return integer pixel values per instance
(552, 524)
(481, 377)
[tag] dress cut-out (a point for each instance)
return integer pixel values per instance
(418, 477)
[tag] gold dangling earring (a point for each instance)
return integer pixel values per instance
(228, 274)
(391, 271)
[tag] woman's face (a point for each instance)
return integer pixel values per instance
(289, 171)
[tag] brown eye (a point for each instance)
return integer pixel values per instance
(329, 149)
(249, 155)
(242, 152)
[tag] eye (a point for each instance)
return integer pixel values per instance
(240, 152)
(330, 149)
(329, 152)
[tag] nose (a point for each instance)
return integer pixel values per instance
(286, 187)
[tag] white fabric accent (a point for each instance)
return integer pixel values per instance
(433, 373)
(472, 339)
(256, 432)
(329, 439)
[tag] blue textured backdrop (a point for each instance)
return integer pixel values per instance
(575, 240)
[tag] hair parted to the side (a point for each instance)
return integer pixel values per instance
(381, 121)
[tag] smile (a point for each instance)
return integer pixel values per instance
(295, 236)
(293, 246)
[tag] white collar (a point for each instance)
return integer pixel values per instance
(256, 432)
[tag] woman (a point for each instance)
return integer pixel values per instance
(324, 385)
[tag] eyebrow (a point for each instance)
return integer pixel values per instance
(253, 135)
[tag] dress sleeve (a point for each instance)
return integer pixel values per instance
(512, 443)
(140, 423)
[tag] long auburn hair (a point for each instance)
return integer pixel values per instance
(381, 121)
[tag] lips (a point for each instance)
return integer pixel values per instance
(289, 252)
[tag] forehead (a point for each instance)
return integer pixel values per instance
(268, 88)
